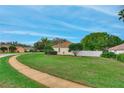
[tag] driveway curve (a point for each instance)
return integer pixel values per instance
(43, 78)
(5, 55)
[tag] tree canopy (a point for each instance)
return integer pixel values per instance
(40, 45)
(58, 40)
(12, 48)
(48, 49)
(114, 40)
(100, 41)
(3, 49)
(75, 48)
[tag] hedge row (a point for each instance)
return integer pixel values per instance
(50, 52)
(119, 57)
(107, 54)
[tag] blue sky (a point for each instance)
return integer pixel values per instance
(27, 24)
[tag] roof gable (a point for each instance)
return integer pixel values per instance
(118, 47)
(62, 45)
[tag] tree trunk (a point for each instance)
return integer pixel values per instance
(75, 53)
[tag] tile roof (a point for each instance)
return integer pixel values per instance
(62, 45)
(118, 47)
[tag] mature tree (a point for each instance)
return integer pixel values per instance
(95, 41)
(38, 46)
(58, 40)
(15, 43)
(114, 40)
(45, 41)
(42, 43)
(48, 49)
(121, 15)
(75, 48)
(3, 49)
(99, 41)
(12, 48)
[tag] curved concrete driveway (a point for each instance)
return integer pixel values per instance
(5, 55)
(43, 78)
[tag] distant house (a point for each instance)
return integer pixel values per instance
(119, 49)
(5, 45)
(28, 49)
(63, 48)
(19, 49)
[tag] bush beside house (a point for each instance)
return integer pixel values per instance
(107, 54)
(120, 57)
(51, 53)
(49, 50)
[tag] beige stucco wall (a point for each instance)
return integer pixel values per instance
(117, 51)
(20, 50)
(63, 51)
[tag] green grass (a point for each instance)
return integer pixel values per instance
(10, 78)
(92, 71)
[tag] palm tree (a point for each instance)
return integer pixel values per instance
(45, 41)
(12, 48)
(121, 14)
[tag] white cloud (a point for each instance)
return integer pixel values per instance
(72, 26)
(103, 9)
(35, 34)
(84, 29)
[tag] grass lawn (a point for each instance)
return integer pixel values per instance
(10, 78)
(92, 71)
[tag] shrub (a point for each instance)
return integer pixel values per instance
(49, 50)
(51, 53)
(107, 54)
(120, 57)
(32, 50)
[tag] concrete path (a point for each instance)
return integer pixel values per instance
(43, 78)
(5, 55)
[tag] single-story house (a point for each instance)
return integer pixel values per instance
(5, 45)
(119, 49)
(19, 49)
(28, 49)
(63, 48)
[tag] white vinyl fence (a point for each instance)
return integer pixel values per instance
(90, 53)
